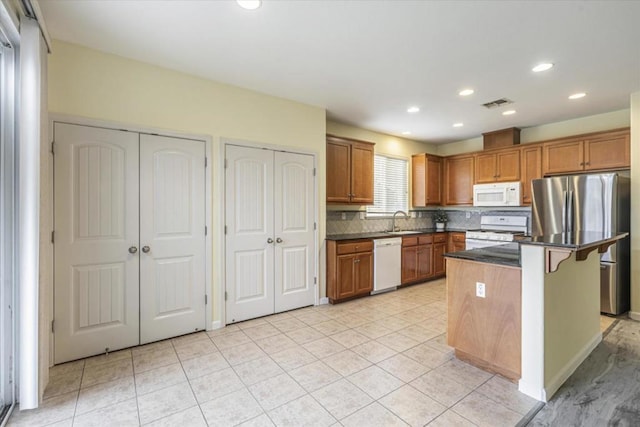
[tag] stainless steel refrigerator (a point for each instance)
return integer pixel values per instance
(593, 202)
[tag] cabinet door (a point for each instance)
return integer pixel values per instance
(531, 161)
(438, 258)
(508, 166)
(485, 168)
(361, 173)
(563, 157)
(459, 180)
(409, 264)
(345, 277)
(363, 273)
(424, 261)
(434, 180)
(338, 172)
(607, 152)
(459, 246)
(456, 242)
(418, 180)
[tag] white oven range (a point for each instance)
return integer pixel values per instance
(496, 230)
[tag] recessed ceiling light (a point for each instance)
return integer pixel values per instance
(508, 112)
(458, 125)
(406, 132)
(577, 95)
(465, 92)
(542, 67)
(249, 4)
(413, 109)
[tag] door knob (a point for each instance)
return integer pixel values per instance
(269, 240)
(146, 249)
(133, 250)
(278, 240)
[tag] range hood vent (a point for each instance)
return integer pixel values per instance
(497, 103)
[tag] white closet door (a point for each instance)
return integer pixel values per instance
(249, 245)
(96, 238)
(294, 206)
(172, 237)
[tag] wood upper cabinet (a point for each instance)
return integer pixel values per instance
(611, 151)
(498, 166)
(349, 269)
(426, 180)
(563, 157)
(458, 180)
(595, 152)
(531, 163)
(349, 171)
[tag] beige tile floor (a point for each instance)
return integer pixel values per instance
(377, 361)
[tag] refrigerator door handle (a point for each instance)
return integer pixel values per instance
(564, 210)
(569, 228)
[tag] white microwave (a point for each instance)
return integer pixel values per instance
(498, 194)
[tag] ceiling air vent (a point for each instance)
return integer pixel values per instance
(498, 103)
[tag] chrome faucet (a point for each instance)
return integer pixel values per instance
(393, 223)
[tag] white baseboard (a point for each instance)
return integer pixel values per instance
(217, 324)
(324, 300)
(532, 391)
(634, 315)
(571, 366)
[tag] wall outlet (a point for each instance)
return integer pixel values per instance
(413, 214)
(362, 215)
(468, 215)
(480, 288)
(344, 215)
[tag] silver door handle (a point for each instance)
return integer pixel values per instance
(146, 249)
(269, 240)
(133, 250)
(278, 240)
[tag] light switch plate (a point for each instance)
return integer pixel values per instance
(480, 290)
(362, 215)
(344, 215)
(468, 215)
(413, 214)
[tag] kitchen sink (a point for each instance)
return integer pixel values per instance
(400, 233)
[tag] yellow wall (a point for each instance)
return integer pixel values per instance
(89, 83)
(606, 121)
(635, 205)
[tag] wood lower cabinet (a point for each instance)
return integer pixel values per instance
(349, 171)
(497, 166)
(439, 249)
(531, 164)
(426, 180)
(456, 241)
(458, 180)
(349, 269)
(423, 257)
(485, 331)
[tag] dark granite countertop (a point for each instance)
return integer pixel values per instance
(507, 254)
(575, 240)
(386, 234)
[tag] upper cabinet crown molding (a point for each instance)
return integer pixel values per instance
(349, 171)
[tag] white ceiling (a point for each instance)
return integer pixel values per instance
(367, 61)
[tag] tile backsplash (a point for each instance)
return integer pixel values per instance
(458, 219)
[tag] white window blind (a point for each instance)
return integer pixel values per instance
(390, 191)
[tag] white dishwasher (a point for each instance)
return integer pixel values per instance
(387, 271)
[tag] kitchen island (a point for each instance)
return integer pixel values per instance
(550, 303)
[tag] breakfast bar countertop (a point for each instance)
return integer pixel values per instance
(507, 254)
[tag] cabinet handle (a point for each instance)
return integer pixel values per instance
(278, 240)
(356, 260)
(588, 163)
(582, 164)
